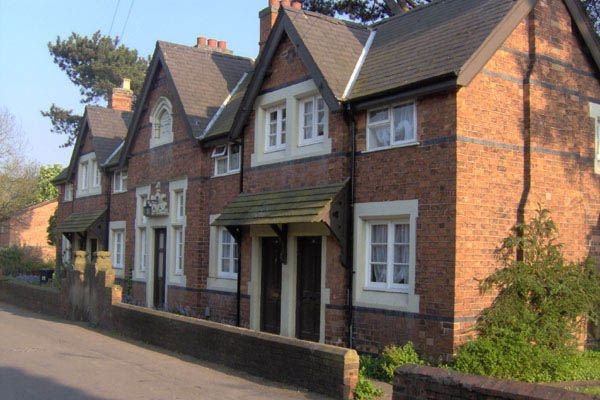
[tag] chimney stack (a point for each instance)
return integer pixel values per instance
(215, 45)
(200, 41)
(122, 98)
(267, 17)
(297, 4)
(212, 42)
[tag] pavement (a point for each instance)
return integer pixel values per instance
(43, 358)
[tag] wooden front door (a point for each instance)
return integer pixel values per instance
(271, 286)
(308, 301)
(160, 267)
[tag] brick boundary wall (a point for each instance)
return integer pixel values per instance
(40, 299)
(413, 382)
(321, 368)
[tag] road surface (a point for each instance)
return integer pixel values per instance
(44, 358)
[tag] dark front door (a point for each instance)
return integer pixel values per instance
(308, 302)
(93, 249)
(271, 286)
(160, 266)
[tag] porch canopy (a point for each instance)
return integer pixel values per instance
(322, 204)
(82, 222)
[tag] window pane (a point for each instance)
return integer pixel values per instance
(401, 234)
(320, 104)
(379, 234)
(404, 123)
(379, 136)
(378, 273)
(401, 274)
(379, 253)
(225, 265)
(401, 253)
(378, 115)
(221, 165)
(308, 132)
(234, 160)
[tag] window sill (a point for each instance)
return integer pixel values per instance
(387, 290)
(311, 143)
(119, 191)
(226, 174)
(222, 284)
(396, 146)
(274, 150)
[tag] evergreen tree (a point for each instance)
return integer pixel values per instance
(96, 65)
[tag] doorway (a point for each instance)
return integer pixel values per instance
(160, 267)
(271, 286)
(308, 301)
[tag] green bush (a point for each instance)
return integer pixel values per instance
(529, 331)
(383, 367)
(365, 390)
(18, 260)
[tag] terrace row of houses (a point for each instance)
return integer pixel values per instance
(352, 184)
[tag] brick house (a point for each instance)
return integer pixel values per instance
(354, 185)
(28, 227)
(85, 188)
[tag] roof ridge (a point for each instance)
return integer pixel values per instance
(409, 12)
(203, 50)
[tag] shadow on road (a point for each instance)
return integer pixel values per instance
(16, 384)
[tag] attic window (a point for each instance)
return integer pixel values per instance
(161, 119)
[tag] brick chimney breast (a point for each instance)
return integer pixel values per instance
(267, 17)
(122, 97)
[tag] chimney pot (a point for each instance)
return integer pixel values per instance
(212, 43)
(222, 44)
(200, 41)
(297, 5)
(126, 84)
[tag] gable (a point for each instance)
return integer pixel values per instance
(286, 67)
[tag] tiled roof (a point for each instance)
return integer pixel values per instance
(429, 42)
(104, 147)
(203, 79)
(335, 45)
(61, 177)
(80, 222)
(108, 123)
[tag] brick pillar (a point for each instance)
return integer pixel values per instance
(80, 261)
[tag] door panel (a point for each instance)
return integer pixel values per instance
(160, 267)
(271, 286)
(308, 302)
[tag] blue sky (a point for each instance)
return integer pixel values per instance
(30, 81)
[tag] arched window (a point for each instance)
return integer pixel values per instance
(162, 123)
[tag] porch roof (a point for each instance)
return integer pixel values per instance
(282, 207)
(80, 222)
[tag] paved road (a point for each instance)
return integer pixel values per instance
(43, 358)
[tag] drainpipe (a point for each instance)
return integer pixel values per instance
(108, 200)
(350, 238)
(239, 238)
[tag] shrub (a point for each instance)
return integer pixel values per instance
(392, 357)
(529, 331)
(18, 260)
(365, 390)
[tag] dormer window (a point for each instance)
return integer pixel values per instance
(313, 120)
(276, 127)
(162, 123)
(227, 159)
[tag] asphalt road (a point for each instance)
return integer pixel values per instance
(44, 358)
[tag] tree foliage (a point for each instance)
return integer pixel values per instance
(45, 188)
(542, 302)
(10, 136)
(593, 9)
(96, 65)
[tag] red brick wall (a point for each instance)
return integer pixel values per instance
(29, 228)
(492, 123)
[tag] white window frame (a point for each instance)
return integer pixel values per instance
(314, 125)
(88, 176)
(117, 228)
(120, 182)
(401, 298)
(179, 204)
(179, 247)
(161, 134)
(223, 153)
(280, 144)
(390, 123)
(68, 195)
(595, 114)
(389, 285)
(143, 249)
(232, 256)
(598, 139)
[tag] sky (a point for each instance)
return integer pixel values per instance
(31, 82)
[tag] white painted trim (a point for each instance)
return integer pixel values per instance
(291, 97)
(162, 103)
(90, 190)
(112, 227)
(113, 153)
(359, 65)
(384, 211)
(220, 110)
(595, 113)
(214, 281)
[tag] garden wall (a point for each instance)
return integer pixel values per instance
(417, 382)
(317, 367)
(40, 299)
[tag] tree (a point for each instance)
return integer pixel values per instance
(362, 10)
(373, 10)
(10, 136)
(95, 65)
(17, 178)
(45, 188)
